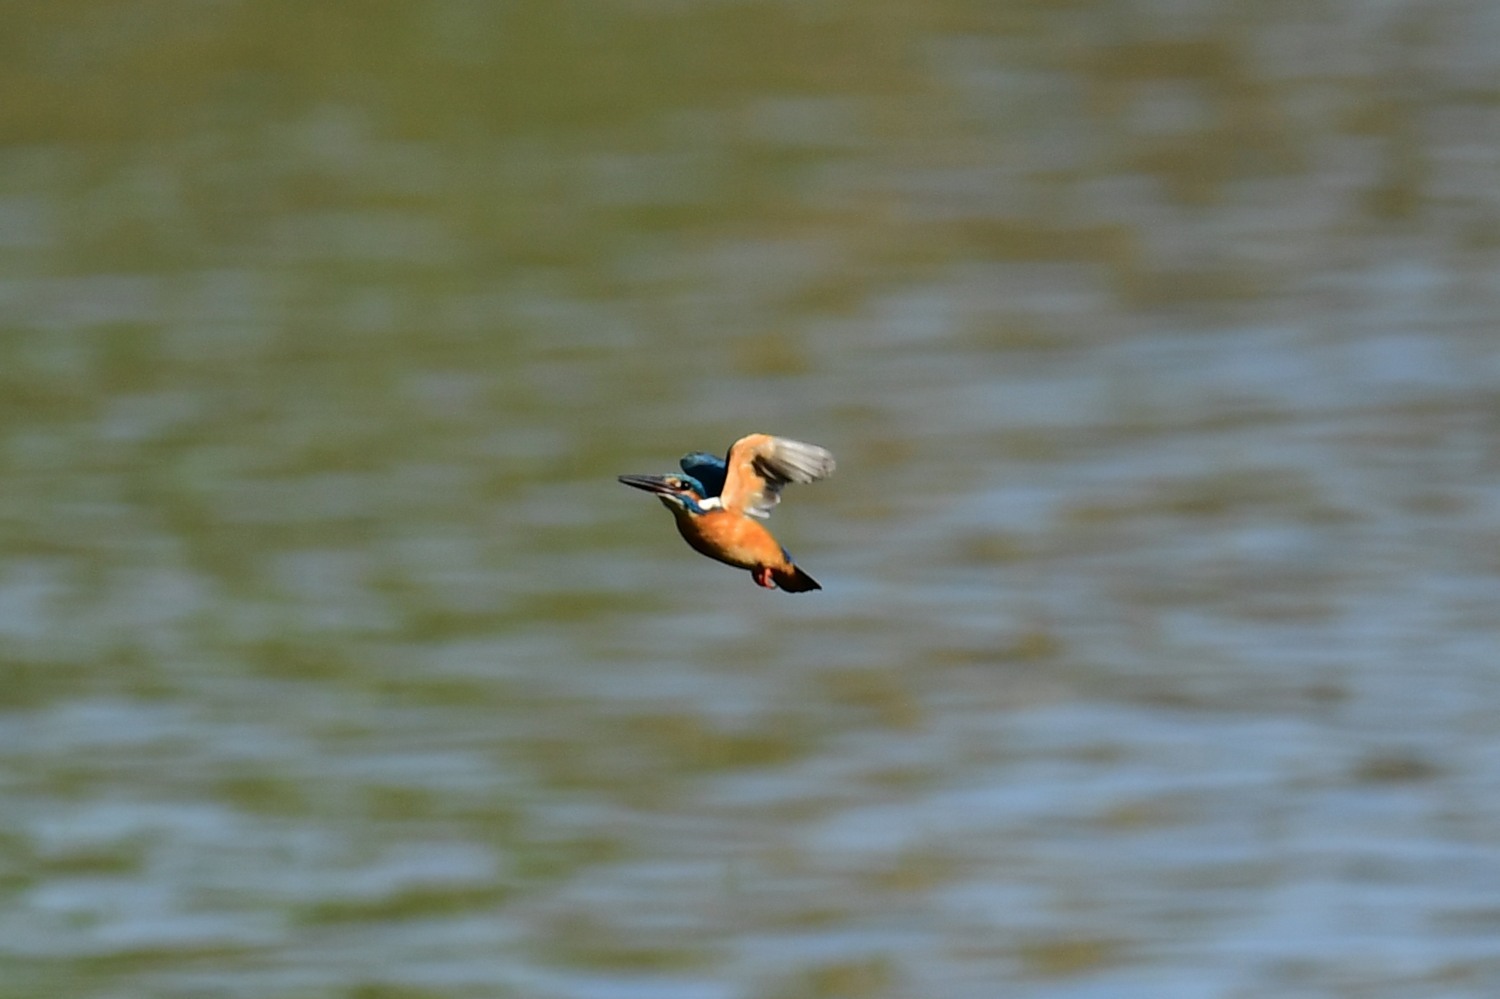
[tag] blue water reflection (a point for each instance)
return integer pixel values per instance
(1156, 652)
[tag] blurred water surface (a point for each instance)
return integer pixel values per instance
(1157, 655)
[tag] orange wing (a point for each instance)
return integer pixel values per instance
(759, 465)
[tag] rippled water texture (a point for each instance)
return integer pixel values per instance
(1158, 652)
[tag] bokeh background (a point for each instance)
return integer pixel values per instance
(1158, 652)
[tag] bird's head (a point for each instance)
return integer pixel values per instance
(676, 492)
(708, 469)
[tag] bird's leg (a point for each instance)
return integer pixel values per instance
(762, 576)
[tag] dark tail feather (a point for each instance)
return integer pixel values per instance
(795, 581)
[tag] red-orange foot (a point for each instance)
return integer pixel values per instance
(762, 576)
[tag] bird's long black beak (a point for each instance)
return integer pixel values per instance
(651, 483)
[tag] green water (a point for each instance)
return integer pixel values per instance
(1155, 656)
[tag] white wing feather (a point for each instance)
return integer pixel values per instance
(774, 462)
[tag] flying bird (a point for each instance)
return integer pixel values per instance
(719, 503)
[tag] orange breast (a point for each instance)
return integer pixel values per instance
(732, 538)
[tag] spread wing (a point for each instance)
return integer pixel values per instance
(760, 465)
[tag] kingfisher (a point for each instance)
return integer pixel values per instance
(719, 503)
